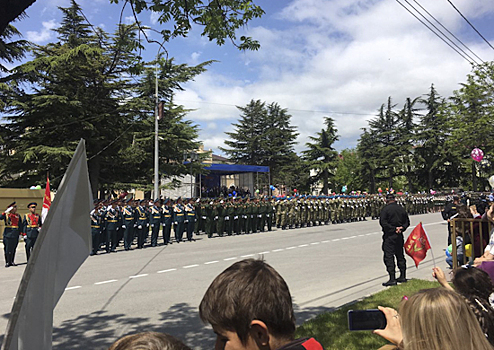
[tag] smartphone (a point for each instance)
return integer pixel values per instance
(366, 320)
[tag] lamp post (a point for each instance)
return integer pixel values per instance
(156, 154)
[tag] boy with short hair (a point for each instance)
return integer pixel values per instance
(250, 307)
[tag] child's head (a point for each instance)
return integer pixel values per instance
(470, 281)
(148, 341)
(249, 305)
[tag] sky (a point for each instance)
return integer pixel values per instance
(318, 58)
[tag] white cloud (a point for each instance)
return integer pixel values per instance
(153, 18)
(339, 56)
(44, 35)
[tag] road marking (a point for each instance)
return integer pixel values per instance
(228, 259)
(137, 276)
(335, 240)
(75, 287)
(352, 237)
(369, 234)
(211, 262)
(314, 243)
(361, 235)
(303, 245)
(163, 271)
(434, 223)
(190, 266)
(277, 250)
(246, 256)
(289, 248)
(266, 252)
(346, 238)
(104, 282)
(324, 241)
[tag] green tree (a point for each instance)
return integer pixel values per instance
(405, 141)
(348, 171)
(322, 155)
(387, 141)
(368, 154)
(219, 20)
(94, 86)
(470, 112)
(263, 136)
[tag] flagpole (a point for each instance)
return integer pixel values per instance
(432, 250)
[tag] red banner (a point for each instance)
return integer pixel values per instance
(417, 244)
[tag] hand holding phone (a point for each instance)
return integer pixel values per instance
(366, 320)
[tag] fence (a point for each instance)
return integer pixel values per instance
(477, 232)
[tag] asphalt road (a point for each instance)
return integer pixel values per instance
(160, 288)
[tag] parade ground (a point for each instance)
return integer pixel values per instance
(160, 288)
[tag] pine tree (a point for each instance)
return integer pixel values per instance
(263, 136)
(322, 155)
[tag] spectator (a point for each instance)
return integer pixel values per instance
(476, 287)
(148, 341)
(249, 306)
(434, 319)
(488, 254)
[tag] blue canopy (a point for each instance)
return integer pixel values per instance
(226, 169)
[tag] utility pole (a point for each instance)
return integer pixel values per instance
(156, 163)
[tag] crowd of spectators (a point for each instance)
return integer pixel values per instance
(249, 307)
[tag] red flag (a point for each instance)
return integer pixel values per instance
(417, 244)
(46, 200)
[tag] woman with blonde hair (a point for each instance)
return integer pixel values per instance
(149, 341)
(434, 319)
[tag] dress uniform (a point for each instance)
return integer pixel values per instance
(155, 221)
(190, 217)
(179, 220)
(96, 226)
(10, 233)
(167, 217)
(128, 223)
(30, 226)
(113, 224)
(142, 223)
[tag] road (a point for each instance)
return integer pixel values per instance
(160, 288)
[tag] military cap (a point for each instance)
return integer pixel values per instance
(32, 203)
(390, 197)
(11, 205)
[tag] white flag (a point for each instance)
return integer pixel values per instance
(62, 246)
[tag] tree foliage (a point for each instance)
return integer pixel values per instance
(94, 86)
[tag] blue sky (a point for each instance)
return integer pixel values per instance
(338, 58)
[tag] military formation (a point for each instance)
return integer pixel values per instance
(146, 222)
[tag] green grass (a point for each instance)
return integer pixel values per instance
(331, 329)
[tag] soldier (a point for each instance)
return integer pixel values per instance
(236, 216)
(155, 220)
(30, 227)
(249, 215)
(128, 222)
(11, 233)
(198, 221)
(220, 221)
(270, 213)
(208, 213)
(229, 216)
(142, 223)
(190, 218)
(167, 220)
(179, 220)
(96, 225)
(113, 223)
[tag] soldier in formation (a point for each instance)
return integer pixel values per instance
(132, 220)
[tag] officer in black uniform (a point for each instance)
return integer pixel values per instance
(190, 218)
(11, 233)
(113, 224)
(394, 221)
(449, 213)
(30, 226)
(155, 221)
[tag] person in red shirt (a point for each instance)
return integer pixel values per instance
(30, 227)
(10, 233)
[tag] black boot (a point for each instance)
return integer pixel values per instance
(391, 281)
(403, 277)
